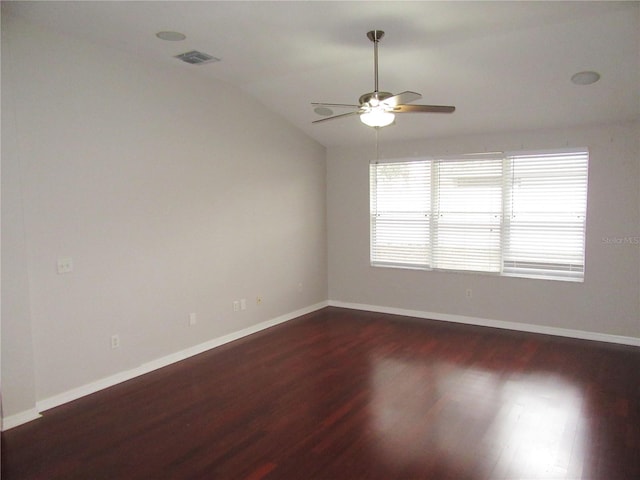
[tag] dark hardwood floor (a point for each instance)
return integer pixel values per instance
(342, 394)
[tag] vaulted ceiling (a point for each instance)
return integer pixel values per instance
(505, 65)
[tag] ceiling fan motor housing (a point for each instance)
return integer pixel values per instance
(379, 96)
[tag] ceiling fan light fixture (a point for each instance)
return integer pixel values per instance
(377, 118)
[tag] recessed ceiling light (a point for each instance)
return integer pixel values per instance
(171, 36)
(585, 78)
(324, 111)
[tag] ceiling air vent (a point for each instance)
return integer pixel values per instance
(197, 58)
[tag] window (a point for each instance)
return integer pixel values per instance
(400, 227)
(546, 205)
(520, 214)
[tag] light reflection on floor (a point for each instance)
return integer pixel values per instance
(530, 424)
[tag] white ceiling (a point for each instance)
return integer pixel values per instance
(505, 65)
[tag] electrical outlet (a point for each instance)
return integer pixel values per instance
(236, 305)
(468, 293)
(115, 341)
(193, 319)
(243, 304)
(65, 265)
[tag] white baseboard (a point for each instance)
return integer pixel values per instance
(89, 388)
(483, 322)
(20, 418)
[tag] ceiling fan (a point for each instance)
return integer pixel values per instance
(378, 109)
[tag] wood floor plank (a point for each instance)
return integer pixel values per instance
(343, 394)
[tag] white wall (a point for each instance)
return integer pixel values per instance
(18, 382)
(608, 300)
(172, 194)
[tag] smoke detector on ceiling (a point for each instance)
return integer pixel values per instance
(170, 36)
(324, 111)
(195, 57)
(585, 78)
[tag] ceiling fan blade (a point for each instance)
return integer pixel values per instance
(424, 109)
(340, 105)
(336, 116)
(404, 97)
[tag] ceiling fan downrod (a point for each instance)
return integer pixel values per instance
(375, 36)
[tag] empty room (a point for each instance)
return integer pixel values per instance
(320, 240)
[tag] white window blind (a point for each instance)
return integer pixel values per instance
(546, 208)
(467, 215)
(400, 211)
(519, 214)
